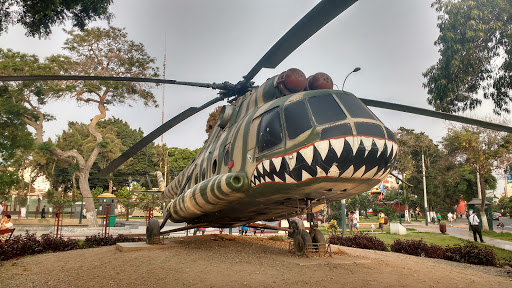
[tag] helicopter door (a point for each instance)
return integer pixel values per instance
(251, 139)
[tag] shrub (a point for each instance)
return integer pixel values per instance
(30, 244)
(467, 253)
(471, 254)
(362, 241)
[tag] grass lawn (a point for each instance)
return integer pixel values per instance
(507, 236)
(433, 238)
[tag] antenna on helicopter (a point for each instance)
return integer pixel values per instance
(355, 70)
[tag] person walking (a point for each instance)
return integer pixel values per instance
(438, 218)
(381, 221)
(475, 226)
(43, 212)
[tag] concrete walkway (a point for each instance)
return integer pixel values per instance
(461, 230)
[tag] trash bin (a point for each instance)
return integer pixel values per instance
(107, 207)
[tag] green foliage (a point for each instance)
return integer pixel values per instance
(332, 227)
(505, 205)
(38, 17)
(361, 241)
(474, 44)
(179, 158)
(58, 199)
(362, 202)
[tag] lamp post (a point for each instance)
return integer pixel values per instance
(355, 70)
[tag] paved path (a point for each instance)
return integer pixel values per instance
(460, 230)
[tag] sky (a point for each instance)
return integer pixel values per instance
(216, 41)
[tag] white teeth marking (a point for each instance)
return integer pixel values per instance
(277, 162)
(367, 142)
(370, 173)
(320, 172)
(334, 171)
(337, 145)
(395, 149)
(305, 175)
(323, 148)
(291, 159)
(380, 144)
(349, 172)
(351, 140)
(266, 165)
(278, 180)
(260, 168)
(390, 146)
(359, 173)
(289, 179)
(257, 182)
(308, 154)
(267, 179)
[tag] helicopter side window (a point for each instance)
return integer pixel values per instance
(203, 174)
(196, 180)
(354, 106)
(325, 109)
(296, 119)
(226, 157)
(214, 166)
(270, 131)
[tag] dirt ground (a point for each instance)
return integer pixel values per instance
(240, 261)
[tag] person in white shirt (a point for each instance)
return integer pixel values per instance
(2, 204)
(5, 223)
(450, 218)
(475, 226)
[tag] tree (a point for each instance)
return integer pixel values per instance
(475, 54)
(95, 51)
(480, 148)
(16, 142)
(179, 158)
(38, 17)
(362, 202)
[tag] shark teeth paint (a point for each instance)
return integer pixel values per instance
(362, 157)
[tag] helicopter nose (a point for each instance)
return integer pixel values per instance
(355, 156)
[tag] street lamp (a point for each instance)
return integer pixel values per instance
(355, 70)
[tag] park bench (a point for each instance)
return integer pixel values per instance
(6, 231)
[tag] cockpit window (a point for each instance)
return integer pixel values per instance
(270, 133)
(296, 119)
(325, 109)
(354, 106)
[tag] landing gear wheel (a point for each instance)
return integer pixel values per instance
(300, 242)
(153, 232)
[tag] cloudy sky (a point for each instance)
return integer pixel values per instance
(215, 41)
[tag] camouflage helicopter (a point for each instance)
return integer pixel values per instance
(278, 150)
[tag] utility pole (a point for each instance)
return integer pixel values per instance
(479, 189)
(343, 216)
(424, 187)
(163, 109)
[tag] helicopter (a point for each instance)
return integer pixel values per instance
(279, 149)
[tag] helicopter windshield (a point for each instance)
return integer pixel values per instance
(325, 109)
(296, 118)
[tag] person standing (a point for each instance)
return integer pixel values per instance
(450, 218)
(381, 221)
(438, 218)
(350, 222)
(43, 212)
(355, 221)
(475, 226)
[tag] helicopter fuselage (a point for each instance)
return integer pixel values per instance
(270, 152)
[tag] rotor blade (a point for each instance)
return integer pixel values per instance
(103, 78)
(153, 135)
(435, 114)
(316, 19)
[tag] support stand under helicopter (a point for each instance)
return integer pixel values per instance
(303, 241)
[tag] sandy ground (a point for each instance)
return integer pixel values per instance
(240, 261)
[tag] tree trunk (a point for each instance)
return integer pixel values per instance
(83, 180)
(485, 225)
(404, 186)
